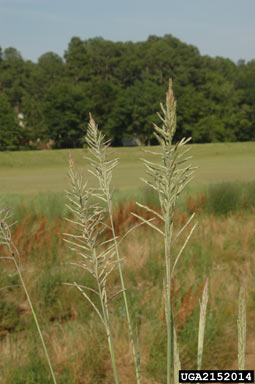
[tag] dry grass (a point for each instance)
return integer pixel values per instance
(226, 247)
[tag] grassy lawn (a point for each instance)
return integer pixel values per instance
(46, 171)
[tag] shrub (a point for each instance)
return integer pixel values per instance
(224, 198)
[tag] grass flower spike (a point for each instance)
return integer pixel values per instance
(102, 169)
(97, 256)
(168, 178)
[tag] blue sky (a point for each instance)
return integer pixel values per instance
(216, 27)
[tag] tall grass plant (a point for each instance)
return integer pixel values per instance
(98, 248)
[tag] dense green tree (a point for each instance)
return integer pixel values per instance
(10, 132)
(66, 112)
(133, 113)
(102, 95)
(51, 64)
(12, 76)
(121, 83)
(35, 127)
(77, 60)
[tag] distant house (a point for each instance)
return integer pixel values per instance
(131, 141)
(21, 119)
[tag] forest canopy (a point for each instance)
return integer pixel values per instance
(47, 104)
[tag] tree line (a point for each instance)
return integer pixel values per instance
(121, 84)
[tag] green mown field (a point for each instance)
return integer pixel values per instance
(46, 171)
